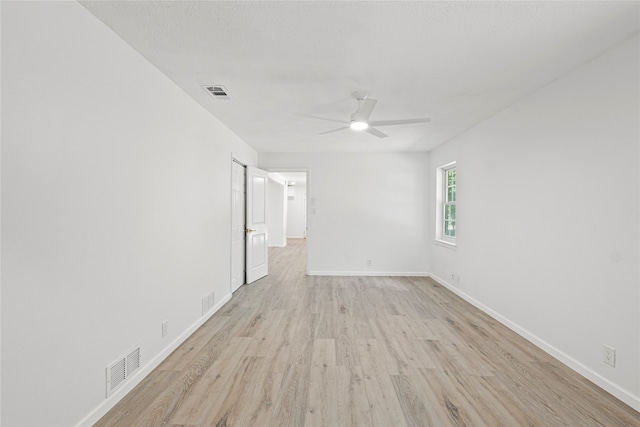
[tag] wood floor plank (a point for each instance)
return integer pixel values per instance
(453, 406)
(510, 411)
(199, 404)
(322, 401)
(297, 350)
(303, 340)
(534, 398)
(353, 404)
(231, 403)
(267, 335)
(383, 401)
(291, 404)
(415, 413)
(258, 400)
(396, 360)
(324, 353)
(346, 347)
(279, 351)
(587, 395)
(134, 404)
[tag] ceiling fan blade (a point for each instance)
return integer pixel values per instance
(365, 110)
(376, 132)
(398, 122)
(324, 118)
(334, 130)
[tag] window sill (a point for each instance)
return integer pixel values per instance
(445, 244)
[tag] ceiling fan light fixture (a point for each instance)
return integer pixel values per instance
(356, 125)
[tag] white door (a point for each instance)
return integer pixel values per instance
(256, 239)
(238, 226)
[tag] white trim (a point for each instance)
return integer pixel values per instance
(446, 244)
(369, 273)
(308, 207)
(594, 377)
(234, 159)
(449, 165)
(278, 246)
(608, 386)
(95, 415)
(440, 196)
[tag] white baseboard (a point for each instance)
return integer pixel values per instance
(109, 403)
(597, 379)
(613, 389)
(369, 273)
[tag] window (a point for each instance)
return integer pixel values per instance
(446, 198)
(449, 205)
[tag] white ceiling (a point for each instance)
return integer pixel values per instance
(456, 62)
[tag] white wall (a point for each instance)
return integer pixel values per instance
(277, 211)
(296, 215)
(548, 208)
(116, 213)
(115, 210)
(363, 206)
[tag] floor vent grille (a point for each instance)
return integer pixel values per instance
(120, 370)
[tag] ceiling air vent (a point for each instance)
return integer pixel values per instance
(218, 92)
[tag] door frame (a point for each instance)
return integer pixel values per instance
(308, 205)
(234, 159)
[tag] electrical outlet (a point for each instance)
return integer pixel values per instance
(369, 262)
(165, 328)
(609, 355)
(453, 275)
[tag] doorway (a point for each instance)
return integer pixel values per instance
(288, 207)
(238, 225)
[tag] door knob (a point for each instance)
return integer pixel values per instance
(248, 230)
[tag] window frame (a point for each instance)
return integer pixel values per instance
(441, 203)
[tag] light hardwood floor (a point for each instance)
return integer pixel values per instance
(297, 350)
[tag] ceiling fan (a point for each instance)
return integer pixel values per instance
(360, 119)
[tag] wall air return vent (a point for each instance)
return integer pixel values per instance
(121, 370)
(207, 303)
(218, 92)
